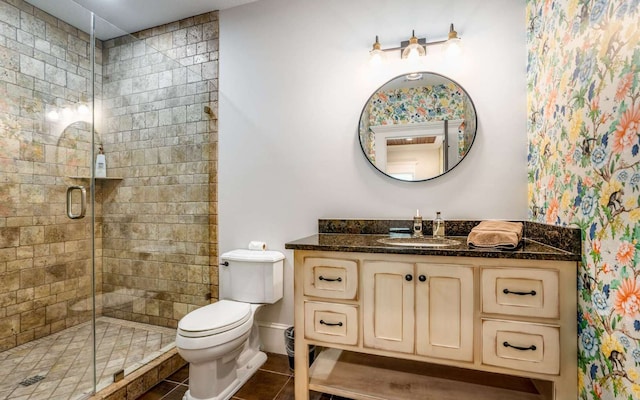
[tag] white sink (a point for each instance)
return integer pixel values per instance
(426, 241)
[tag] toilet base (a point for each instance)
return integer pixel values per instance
(245, 372)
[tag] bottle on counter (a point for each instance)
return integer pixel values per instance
(438, 226)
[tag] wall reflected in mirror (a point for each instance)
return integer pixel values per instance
(417, 126)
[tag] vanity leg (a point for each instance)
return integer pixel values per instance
(567, 388)
(301, 348)
(301, 375)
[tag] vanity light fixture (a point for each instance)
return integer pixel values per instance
(68, 112)
(453, 45)
(417, 47)
(413, 49)
(377, 54)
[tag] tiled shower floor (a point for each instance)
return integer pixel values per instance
(63, 359)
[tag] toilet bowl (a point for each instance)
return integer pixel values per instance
(221, 341)
(215, 341)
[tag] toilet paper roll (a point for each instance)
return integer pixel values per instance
(257, 245)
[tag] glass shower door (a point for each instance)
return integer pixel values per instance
(71, 120)
(46, 206)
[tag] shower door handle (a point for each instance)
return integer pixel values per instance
(83, 202)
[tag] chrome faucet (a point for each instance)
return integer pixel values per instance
(417, 225)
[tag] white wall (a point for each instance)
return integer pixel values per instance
(294, 76)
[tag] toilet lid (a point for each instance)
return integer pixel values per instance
(214, 318)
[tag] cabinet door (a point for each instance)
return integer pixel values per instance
(388, 311)
(444, 311)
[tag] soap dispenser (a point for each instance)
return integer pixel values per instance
(438, 226)
(417, 225)
(101, 164)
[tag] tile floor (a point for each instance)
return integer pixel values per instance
(274, 381)
(58, 366)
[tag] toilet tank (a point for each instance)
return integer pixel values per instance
(251, 276)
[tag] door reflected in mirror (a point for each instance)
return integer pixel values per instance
(417, 129)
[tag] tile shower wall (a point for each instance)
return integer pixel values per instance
(159, 221)
(159, 135)
(584, 170)
(44, 257)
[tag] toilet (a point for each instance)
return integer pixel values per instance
(221, 340)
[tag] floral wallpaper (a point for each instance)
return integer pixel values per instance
(417, 105)
(583, 81)
(467, 131)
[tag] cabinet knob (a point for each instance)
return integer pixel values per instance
(422, 278)
(408, 277)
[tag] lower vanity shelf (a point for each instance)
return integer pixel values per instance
(369, 377)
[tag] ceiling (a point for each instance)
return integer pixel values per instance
(117, 17)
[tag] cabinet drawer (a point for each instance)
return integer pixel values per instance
(328, 322)
(330, 278)
(531, 292)
(522, 346)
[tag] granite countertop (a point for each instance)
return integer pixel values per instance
(544, 242)
(529, 250)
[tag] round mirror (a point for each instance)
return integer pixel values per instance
(417, 126)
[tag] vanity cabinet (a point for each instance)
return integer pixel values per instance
(426, 309)
(403, 326)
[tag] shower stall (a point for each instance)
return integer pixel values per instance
(95, 272)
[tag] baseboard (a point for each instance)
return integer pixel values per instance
(272, 337)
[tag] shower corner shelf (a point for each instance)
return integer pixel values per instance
(109, 178)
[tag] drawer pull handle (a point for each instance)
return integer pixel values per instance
(422, 278)
(531, 293)
(330, 323)
(408, 277)
(322, 278)
(506, 344)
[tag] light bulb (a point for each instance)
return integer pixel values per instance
(376, 58)
(414, 49)
(453, 45)
(53, 115)
(377, 55)
(413, 54)
(83, 109)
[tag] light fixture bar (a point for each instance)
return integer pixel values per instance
(422, 42)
